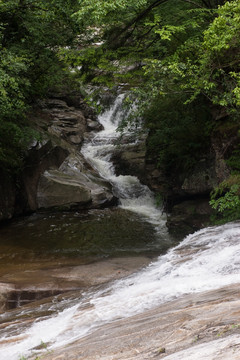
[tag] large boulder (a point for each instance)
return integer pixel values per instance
(73, 186)
(58, 190)
(129, 159)
(47, 180)
(189, 216)
(41, 156)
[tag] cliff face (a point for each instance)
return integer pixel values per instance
(55, 175)
(186, 194)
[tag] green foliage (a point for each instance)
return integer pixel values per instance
(178, 57)
(214, 69)
(225, 199)
(234, 161)
(31, 34)
(162, 40)
(13, 84)
(178, 133)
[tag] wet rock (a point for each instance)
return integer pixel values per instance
(5, 290)
(187, 328)
(43, 156)
(73, 186)
(17, 298)
(130, 159)
(44, 279)
(56, 189)
(7, 196)
(63, 130)
(189, 216)
(94, 125)
(202, 179)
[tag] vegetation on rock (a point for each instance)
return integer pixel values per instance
(180, 60)
(31, 33)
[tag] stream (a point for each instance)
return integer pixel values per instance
(203, 262)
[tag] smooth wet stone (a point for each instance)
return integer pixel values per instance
(32, 282)
(194, 327)
(56, 189)
(49, 254)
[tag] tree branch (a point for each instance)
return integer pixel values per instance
(139, 17)
(193, 3)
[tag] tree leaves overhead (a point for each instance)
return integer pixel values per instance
(160, 48)
(31, 33)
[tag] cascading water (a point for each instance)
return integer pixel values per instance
(206, 260)
(132, 194)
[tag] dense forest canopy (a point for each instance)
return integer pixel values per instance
(180, 58)
(31, 32)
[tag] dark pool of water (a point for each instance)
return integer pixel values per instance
(97, 233)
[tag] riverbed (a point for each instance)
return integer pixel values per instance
(112, 284)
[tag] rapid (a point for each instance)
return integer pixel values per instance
(204, 261)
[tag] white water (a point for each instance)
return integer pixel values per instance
(133, 196)
(206, 260)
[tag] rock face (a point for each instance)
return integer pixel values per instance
(199, 326)
(129, 159)
(57, 189)
(181, 190)
(72, 186)
(189, 216)
(55, 175)
(7, 196)
(41, 156)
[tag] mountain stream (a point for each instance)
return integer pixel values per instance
(203, 263)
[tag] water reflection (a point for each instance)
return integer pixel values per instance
(97, 233)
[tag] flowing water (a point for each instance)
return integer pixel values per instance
(206, 260)
(132, 194)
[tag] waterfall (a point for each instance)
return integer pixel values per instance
(133, 196)
(206, 260)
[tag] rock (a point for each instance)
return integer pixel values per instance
(57, 183)
(68, 124)
(130, 159)
(54, 103)
(47, 181)
(43, 156)
(34, 281)
(94, 125)
(189, 216)
(76, 139)
(56, 189)
(73, 186)
(5, 290)
(196, 326)
(7, 196)
(202, 179)
(209, 171)
(221, 145)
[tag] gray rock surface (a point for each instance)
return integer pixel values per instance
(129, 159)
(73, 186)
(7, 197)
(47, 180)
(189, 216)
